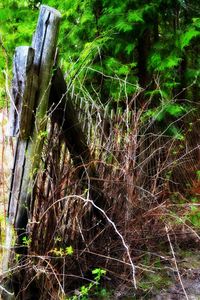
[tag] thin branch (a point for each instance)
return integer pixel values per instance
(175, 262)
(109, 221)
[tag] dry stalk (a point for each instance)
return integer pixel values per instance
(175, 262)
(109, 221)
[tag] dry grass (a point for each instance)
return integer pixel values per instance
(115, 217)
(138, 178)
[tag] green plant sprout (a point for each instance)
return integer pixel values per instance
(85, 290)
(62, 251)
(26, 241)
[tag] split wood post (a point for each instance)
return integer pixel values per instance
(44, 44)
(21, 117)
(24, 87)
(31, 87)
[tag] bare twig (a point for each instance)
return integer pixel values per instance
(109, 221)
(175, 262)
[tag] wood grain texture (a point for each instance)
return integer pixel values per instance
(17, 178)
(44, 44)
(31, 86)
(32, 73)
(24, 87)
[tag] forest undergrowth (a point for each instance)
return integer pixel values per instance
(121, 220)
(140, 228)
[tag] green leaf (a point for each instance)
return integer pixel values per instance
(124, 26)
(198, 174)
(129, 48)
(69, 250)
(196, 22)
(123, 70)
(176, 133)
(174, 109)
(99, 273)
(135, 16)
(186, 37)
(170, 62)
(84, 290)
(155, 60)
(159, 63)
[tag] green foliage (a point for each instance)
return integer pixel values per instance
(26, 241)
(103, 35)
(17, 257)
(160, 63)
(17, 25)
(62, 251)
(69, 250)
(156, 279)
(175, 110)
(98, 273)
(169, 109)
(92, 289)
(193, 216)
(175, 132)
(101, 55)
(198, 174)
(135, 16)
(186, 37)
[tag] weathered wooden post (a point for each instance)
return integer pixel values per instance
(33, 67)
(24, 85)
(44, 44)
(21, 116)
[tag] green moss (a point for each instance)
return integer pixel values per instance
(155, 281)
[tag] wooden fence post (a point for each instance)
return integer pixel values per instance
(31, 87)
(21, 116)
(44, 44)
(24, 85)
